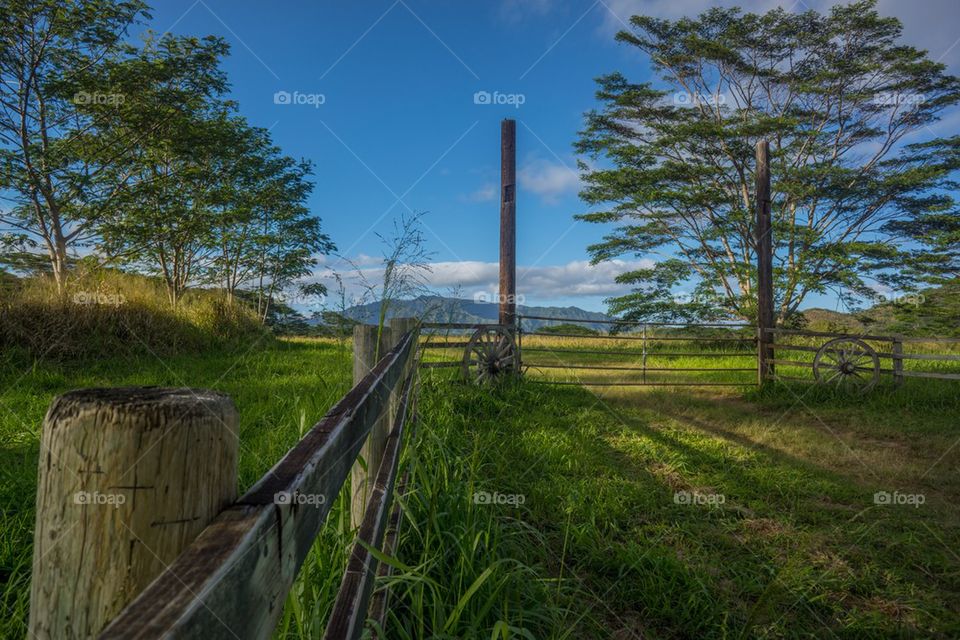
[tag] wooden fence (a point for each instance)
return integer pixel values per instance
(229, 580)
(647, 350)
(893, 351)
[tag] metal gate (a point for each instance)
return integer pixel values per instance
(623, 353)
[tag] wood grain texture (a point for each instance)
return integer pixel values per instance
(368, 343)
(350, 608)
(233, 580)
(128, 478)
(764, 242)
(508, 222)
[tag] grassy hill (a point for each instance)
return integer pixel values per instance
(107, 313)
(931, 312)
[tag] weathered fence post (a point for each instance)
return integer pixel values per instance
(644, 356)
(366, 352)
(399, 328)
(896, 351)
(764, 239)
(365, 357)
(128, 478)
(508, 222)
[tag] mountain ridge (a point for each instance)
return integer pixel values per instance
(433, 308)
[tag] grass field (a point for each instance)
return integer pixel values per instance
(691, 514)
(280, 388)
(686, 512)
(541, 511)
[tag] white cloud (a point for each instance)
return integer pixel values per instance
(547, 179)
(577, 278)
(537, 283)
(486, 193)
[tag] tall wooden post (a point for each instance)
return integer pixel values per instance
(508, 222)
(128, 478)
(764, 239)
(399, 328)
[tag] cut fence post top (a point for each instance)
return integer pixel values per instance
(402, 325)
(128, 478)
(186, 402)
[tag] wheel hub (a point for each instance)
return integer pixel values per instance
(490, 354)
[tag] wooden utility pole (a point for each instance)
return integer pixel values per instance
(765, 318)
(128, 479)
(508, 222)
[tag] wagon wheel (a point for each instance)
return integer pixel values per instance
(847, 363)
(491, 354)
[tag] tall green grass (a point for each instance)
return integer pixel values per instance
(281, 388)
(602, 548)
(468, 569)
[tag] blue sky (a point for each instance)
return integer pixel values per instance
(398, 128)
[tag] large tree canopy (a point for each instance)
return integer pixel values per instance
(858, 176)
(54, 148)
(136, 152)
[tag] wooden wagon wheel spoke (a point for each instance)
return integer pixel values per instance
(834, 375)
(847, 363)
(490, 355)
(857, 357)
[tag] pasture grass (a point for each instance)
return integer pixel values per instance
(281, 388)
(679, 512)
(621, 531)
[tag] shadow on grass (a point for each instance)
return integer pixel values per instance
(796, 548)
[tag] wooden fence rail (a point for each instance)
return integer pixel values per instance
(895, 355)
(232, 579)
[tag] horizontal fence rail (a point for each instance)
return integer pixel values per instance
(660, 358)
(634, 336)
(637, 323)
(894, 358)
(350, 609)
(232, 580)
(650, 353)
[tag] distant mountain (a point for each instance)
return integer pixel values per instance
(933, 311)
(441, 309)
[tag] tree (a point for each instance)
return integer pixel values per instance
(266, 235)
(164, 220)
(569, 328)
(52, 56)
(837, 96)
